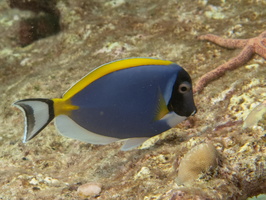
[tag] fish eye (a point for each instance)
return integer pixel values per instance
(184, 87)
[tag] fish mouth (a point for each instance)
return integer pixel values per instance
(194, 112)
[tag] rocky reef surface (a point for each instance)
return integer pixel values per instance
(92, 33)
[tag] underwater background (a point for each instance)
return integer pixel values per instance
(46, 46)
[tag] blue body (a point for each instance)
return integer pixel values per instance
(124, 103)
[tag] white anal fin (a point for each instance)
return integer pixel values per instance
(131, 143)
(38, 113)
(69, 128)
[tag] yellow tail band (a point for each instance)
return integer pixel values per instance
(63, 107)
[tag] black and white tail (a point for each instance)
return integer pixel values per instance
(38, 113)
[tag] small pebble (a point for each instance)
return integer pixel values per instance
(89, 190)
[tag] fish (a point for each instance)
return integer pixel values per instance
(131, 99)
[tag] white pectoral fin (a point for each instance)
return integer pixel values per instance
(38, 113)
(67, 127)
(131, 143)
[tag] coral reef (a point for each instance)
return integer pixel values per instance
(96, 32)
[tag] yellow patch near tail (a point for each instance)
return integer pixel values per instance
(63, 107)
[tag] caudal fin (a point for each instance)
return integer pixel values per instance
(38, 113)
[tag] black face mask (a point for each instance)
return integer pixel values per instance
(181, 101)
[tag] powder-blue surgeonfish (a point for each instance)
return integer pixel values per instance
(131, 99)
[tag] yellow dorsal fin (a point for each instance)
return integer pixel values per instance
(161, 109)
(109, 68)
